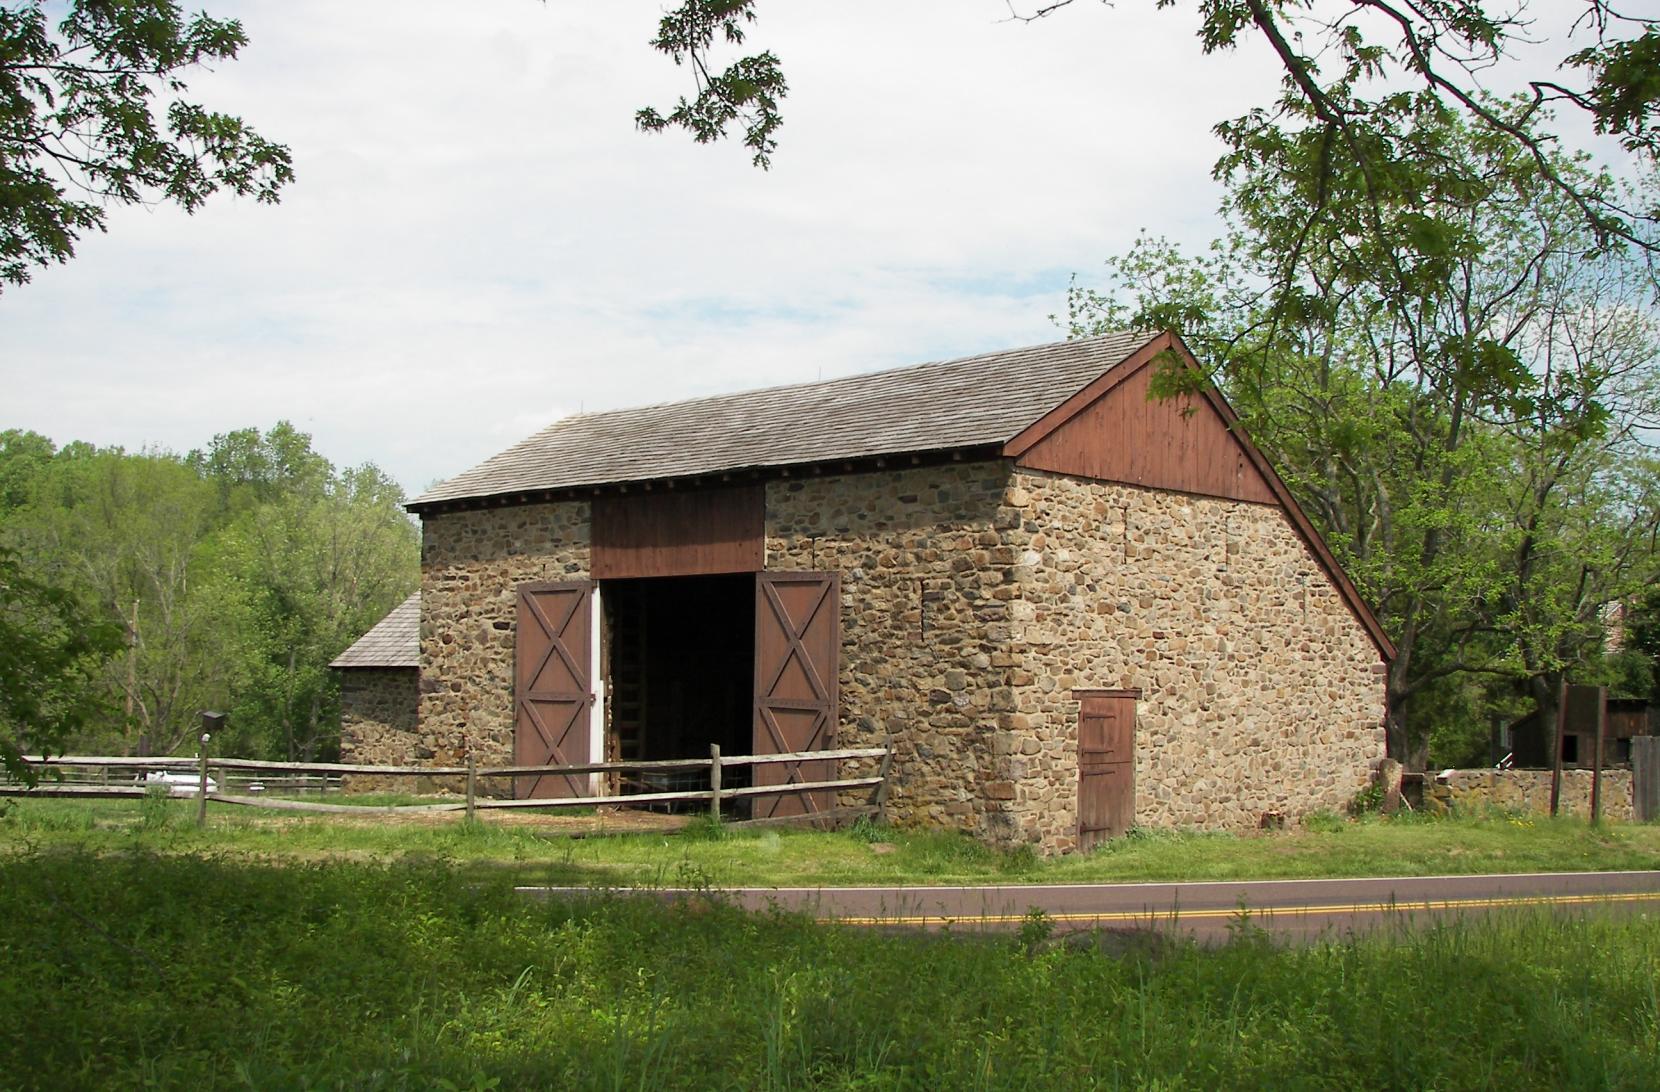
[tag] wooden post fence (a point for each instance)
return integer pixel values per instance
(714, 780)
(211, 723)
(1645, 778)
(1596, 755)
(1556, 751)
(718, 796)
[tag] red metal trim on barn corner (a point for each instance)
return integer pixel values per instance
(1169, 342)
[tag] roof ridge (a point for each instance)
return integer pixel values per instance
(941, 363)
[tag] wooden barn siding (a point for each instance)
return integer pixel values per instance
(1125, 438)
(692, 533)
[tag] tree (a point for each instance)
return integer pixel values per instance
(1355, 67)
(1437, 413)
(322, 558)
(92, 115)
(51, 649)
(126, 531)
(231, 577)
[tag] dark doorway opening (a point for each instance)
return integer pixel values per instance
(680, 671)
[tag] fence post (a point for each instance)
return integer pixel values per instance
(1645, 778)
(201, 785)
(1596, 755)
(472, 783)
(881, 797)
(1556, 757)
(714, 780)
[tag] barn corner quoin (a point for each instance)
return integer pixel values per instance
(1073, 608)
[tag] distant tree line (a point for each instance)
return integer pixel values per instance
(139, 588)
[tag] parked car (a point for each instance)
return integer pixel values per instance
(178, 783)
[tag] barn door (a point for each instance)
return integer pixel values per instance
(1106, 766)
(797, 654)
(553, 688)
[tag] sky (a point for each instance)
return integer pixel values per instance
(478, 241)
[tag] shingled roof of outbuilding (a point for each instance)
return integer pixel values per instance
(941, 406)
(394, 641)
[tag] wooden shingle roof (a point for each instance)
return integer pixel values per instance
(394, 641)
(946, 405)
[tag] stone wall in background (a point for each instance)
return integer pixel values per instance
(378, 724)
(471, 566)
(1474, 792)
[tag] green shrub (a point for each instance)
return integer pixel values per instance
(156, 810)
(1323, 822)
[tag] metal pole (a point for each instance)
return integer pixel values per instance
(472, 784)
(714, 780)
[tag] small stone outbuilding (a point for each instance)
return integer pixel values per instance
(380, 695)
(1073, 607)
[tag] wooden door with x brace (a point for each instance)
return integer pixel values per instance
(797, 664)
(553, 688)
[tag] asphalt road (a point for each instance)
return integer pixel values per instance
(1287, 909)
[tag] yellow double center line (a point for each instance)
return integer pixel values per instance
(1177, 914)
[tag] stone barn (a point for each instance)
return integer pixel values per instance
(1073, 607)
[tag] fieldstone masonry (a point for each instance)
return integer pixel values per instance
(471, 566)
(1473, 792)
(977, 598)
(377, 723)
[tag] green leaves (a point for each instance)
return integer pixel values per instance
(51, 648)
(82, 110)
(1456, 401)
(746, 92)
(232, 577)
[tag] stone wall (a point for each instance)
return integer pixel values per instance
(471, 566)
(378, 724)
(1474, 792)
(1260, 689)
(921, 619)
(976, 599)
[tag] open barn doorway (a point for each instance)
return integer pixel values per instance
(680, 671)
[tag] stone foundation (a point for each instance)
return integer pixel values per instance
(1476, 792)
(378, 725)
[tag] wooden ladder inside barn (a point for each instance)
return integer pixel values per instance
(626, 689)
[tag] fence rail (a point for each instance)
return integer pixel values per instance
(715, 795)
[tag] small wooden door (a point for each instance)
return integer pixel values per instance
(553, 689)
(1106, 765)
(797, 657)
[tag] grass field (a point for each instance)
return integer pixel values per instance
(543, 851)
(135, 969)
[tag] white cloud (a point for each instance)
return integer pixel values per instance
(478, 240)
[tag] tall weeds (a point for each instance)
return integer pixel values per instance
(185, 971)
